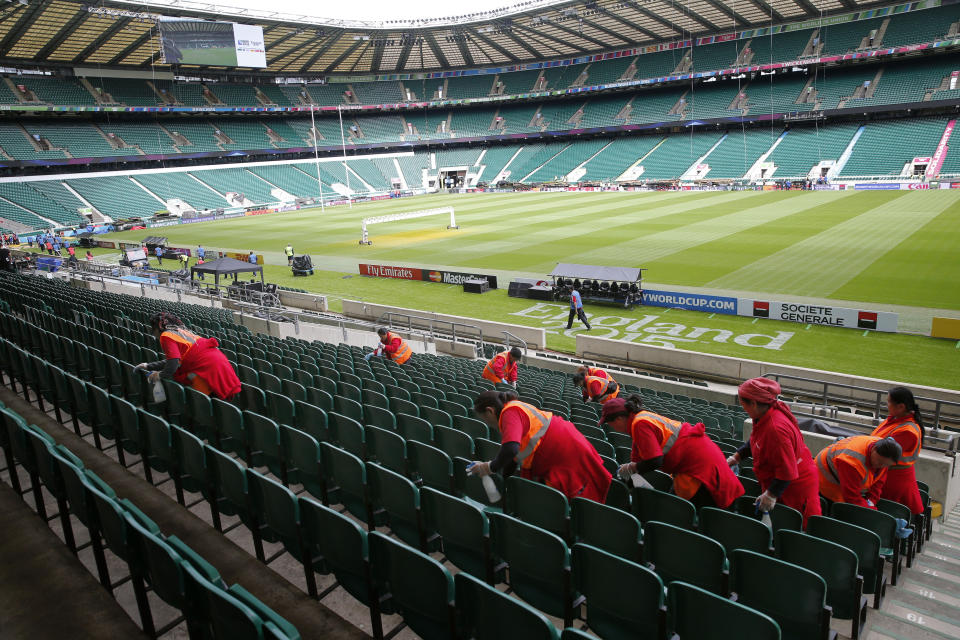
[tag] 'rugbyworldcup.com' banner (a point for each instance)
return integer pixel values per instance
(691, 301)
(816, 314)
(425, 275)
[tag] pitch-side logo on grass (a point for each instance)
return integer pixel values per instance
(649, 329)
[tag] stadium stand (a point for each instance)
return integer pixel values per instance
(573, 156)
(116, 196)
(885, 148)
(148, 137)
(618, 157)
(16, 143)
(803, 148)
(133, 93)
(239, 181)
(85, 140)
(241, 95)
(739, 151)
(201, 135)
(494, 160)
(245, 461)
(56, 191)
(677, 154)
(170, 185)
(378, 92)
(57, 91)
(37, 202)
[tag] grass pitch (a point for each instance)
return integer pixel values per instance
(874, 247)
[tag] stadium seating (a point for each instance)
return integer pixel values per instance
(55, 191)
(518, 81)
(802, 148)
(149, 137)
(179, 185)
(739, 151)
(388, 92)
(885, 147)
(133, 93)
(532, 157)
(37, 202)
(846, 36)
(117, 197)
(245, 135)
(57, 91)
(721, 55)
(554, 579)
(677, 154)
(13, 140)
(574, 155)
(469, 87)
(237, 181)
(22, 216)
(241, 95)
(201, 135)
(619, 156)
(85, 141)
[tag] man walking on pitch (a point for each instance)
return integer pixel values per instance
(289, 251)
(576, 309)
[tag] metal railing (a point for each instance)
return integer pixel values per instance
(830, 399)
(506, 341)
(434, 326)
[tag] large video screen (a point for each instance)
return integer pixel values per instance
(215, 44)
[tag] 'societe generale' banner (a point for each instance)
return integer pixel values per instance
(817, 314)
(425, 275)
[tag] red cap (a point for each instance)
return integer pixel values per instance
(612, 407)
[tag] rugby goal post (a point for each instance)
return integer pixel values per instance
(394, 217)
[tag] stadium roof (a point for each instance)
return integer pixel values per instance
(117, 33)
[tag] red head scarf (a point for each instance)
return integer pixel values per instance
(765, 391)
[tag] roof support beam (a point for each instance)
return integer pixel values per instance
(343, 56)
(612, 34)
(323, 48)
(493, 45)
(634, 26)
(437, 51)
(103, 37)
(27, 18)
(78, 18)
(693, 15)
(130, 48)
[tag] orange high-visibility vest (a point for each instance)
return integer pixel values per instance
(508, 367)
(852, 451)
(667, 430)
(608, 388)
(890, 427)
(539, 422)
(403, 351)
(183, 336)
(598, 373)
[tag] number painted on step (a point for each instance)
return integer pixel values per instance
(931, 572)
(926, 593)
(913, 617)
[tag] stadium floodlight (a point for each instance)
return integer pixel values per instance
(394, 217)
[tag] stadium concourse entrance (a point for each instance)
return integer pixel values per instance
(452, 178)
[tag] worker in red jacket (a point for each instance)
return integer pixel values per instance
(854, 469)
(190, 359)
(596, 389)
(391, 346)
(700, 472)
(781, 460)
(905, 425)
(545, 447)
(503, 367)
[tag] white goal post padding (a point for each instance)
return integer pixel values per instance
(393, 217)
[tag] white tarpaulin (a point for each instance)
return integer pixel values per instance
(593, 272)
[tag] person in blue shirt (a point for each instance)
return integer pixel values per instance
(576, 309)
(201, 252)
(252, 258)
(159, 253)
